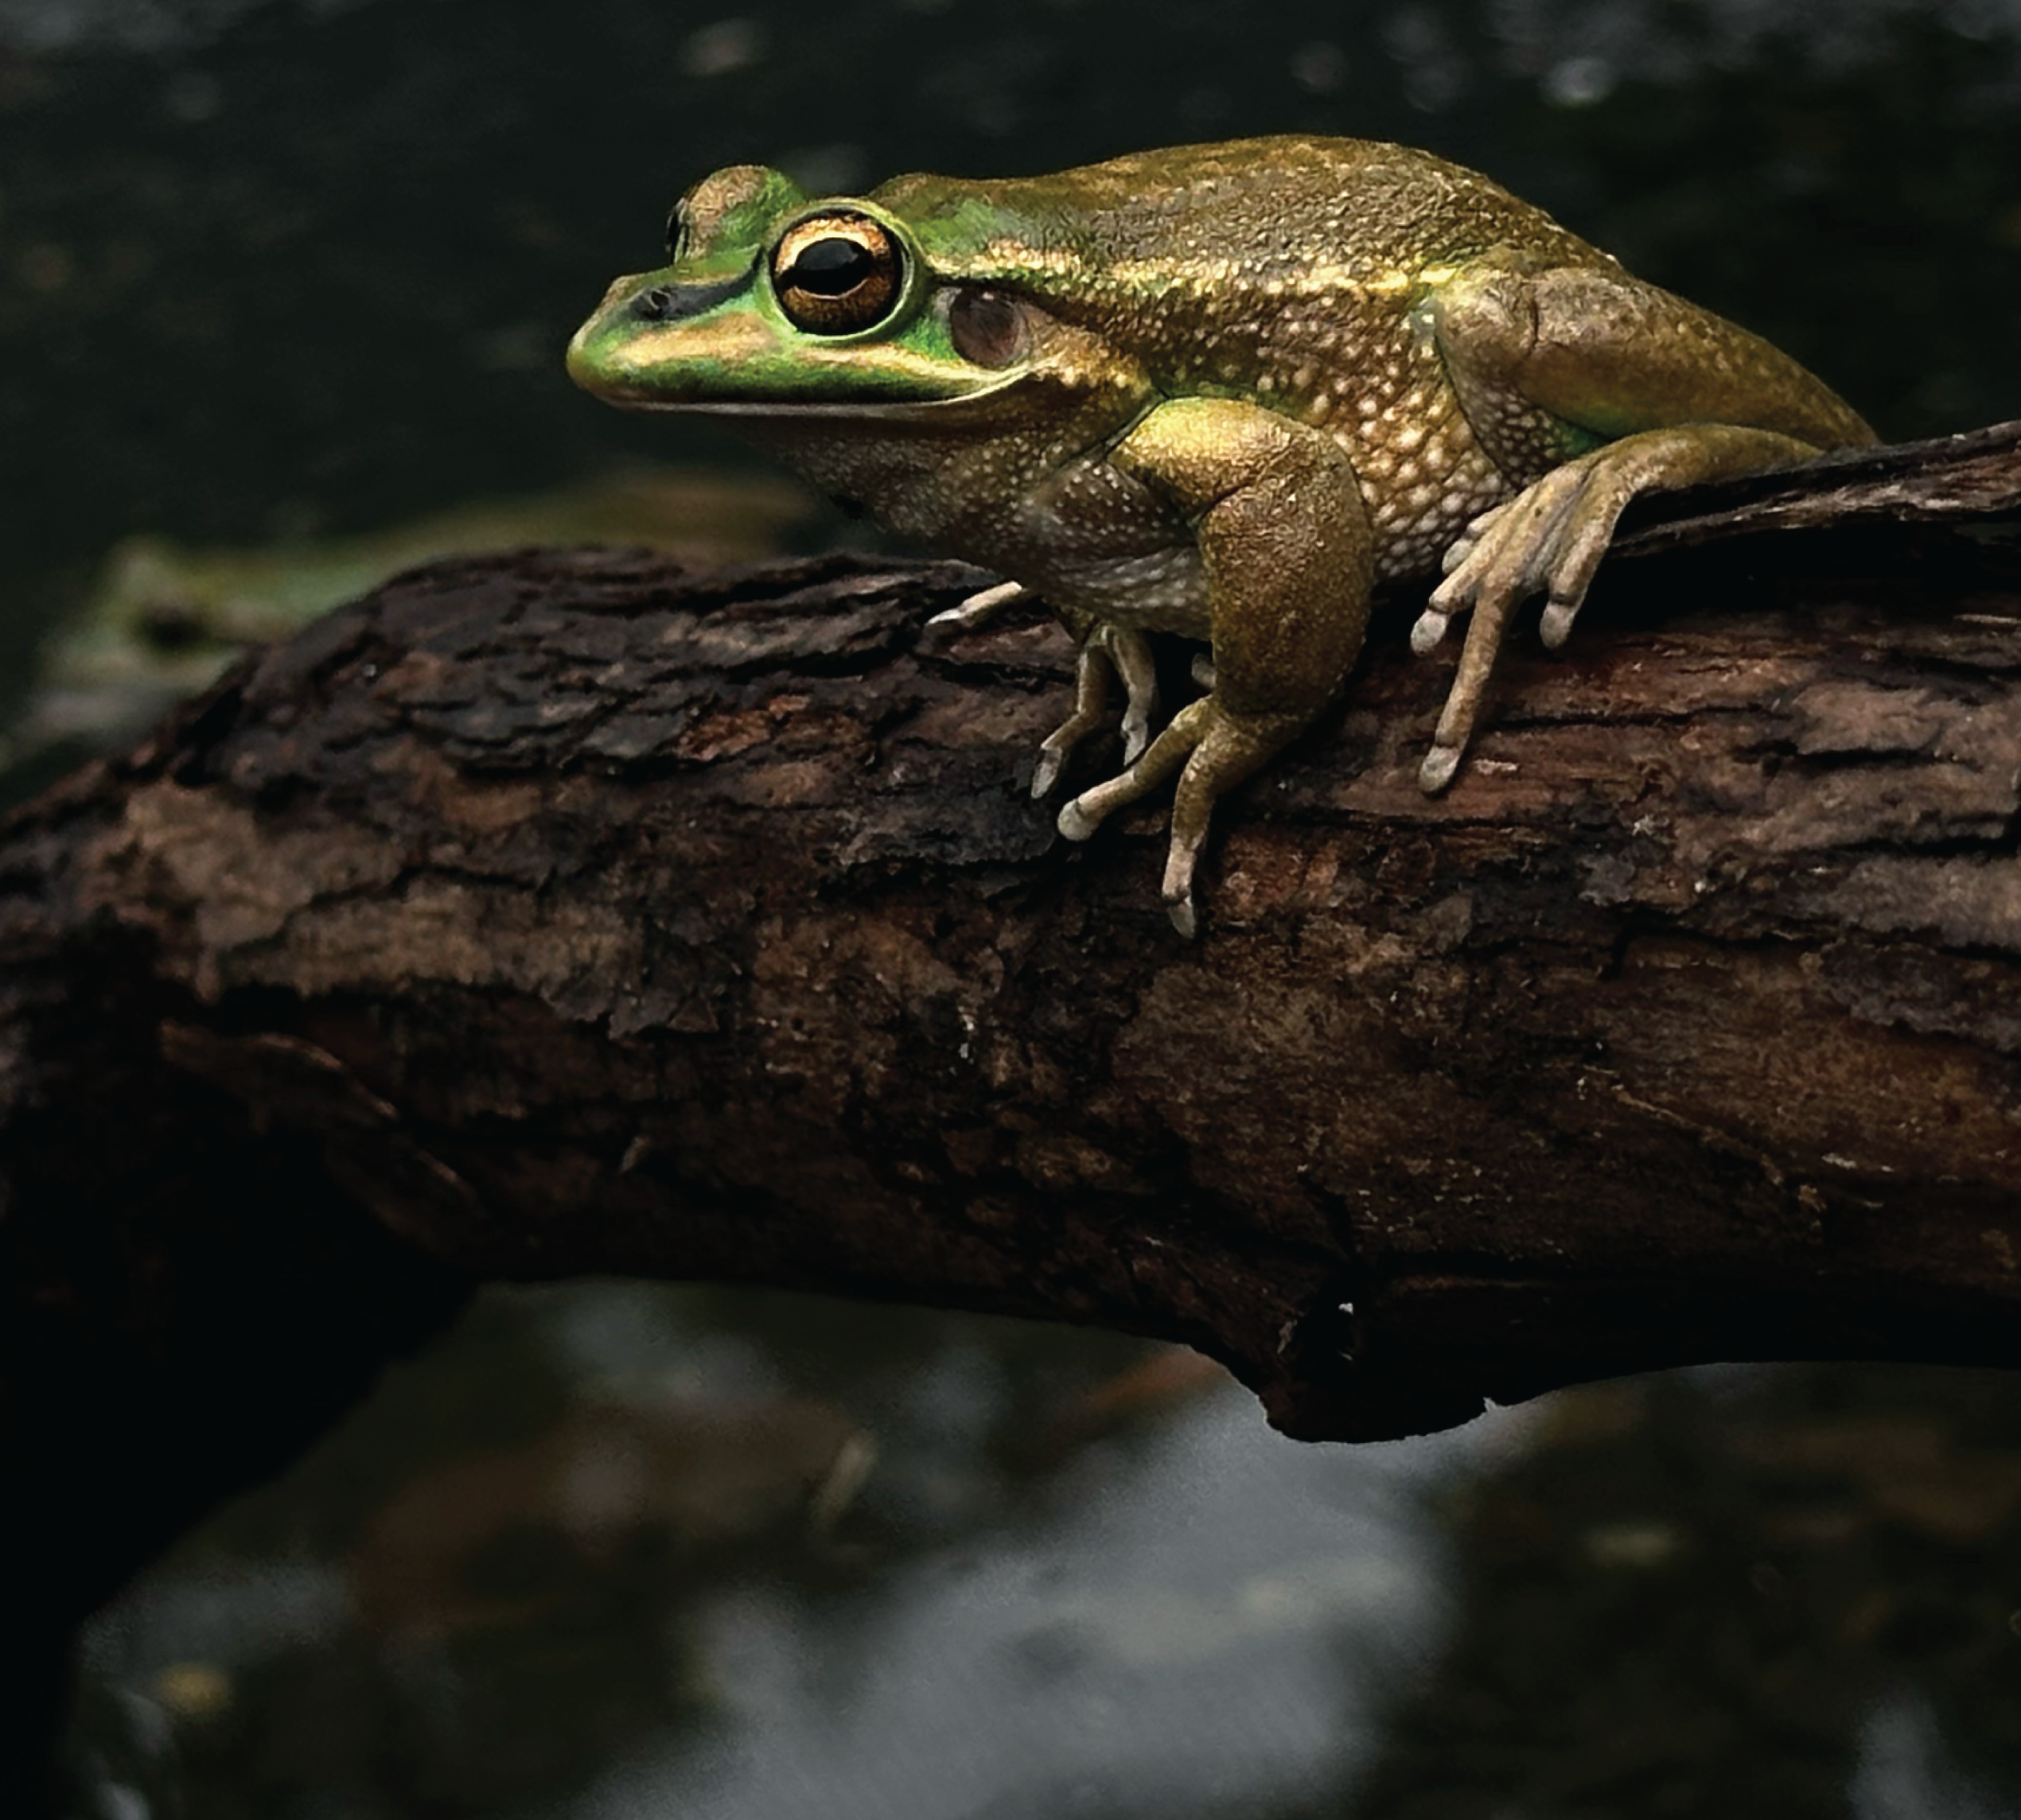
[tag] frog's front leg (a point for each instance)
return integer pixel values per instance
(1288, 553)
(1546, 362)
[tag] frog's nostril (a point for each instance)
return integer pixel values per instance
(678, 302)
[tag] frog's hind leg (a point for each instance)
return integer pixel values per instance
(1604, 388)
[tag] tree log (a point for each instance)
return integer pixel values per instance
(563, 912)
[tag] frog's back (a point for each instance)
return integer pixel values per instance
(1160, 246)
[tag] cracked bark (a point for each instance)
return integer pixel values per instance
(562, 913)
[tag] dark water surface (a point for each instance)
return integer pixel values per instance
(618, 1551)
(268, 270)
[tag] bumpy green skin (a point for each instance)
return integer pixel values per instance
(1225, 388)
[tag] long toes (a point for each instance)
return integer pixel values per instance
(1457, 552)
(1468, 693)
(1045, 773)
(1430, 631)
(1460, 589)
(1555, 626)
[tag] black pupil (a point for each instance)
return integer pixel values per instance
(830, 267)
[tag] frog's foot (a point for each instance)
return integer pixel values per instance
(1218, 748)
(979, 609)
(1550, 539)
(1107, 650)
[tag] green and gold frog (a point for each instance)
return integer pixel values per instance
(1218, 390)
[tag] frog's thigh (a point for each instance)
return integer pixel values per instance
(1590, 354)
(1285, 541)
(1599, 387)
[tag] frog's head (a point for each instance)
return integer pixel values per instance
(779, 305)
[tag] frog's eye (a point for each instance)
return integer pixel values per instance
(838, 274)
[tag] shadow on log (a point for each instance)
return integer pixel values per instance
(563, 912)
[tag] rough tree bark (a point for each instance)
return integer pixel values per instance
(563, 913)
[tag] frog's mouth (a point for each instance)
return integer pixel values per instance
(684, 350)
(949, 406)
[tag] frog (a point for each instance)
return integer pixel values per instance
(1221, 391)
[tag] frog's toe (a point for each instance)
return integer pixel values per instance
(1190, 823)
(1470, 534)
(1074, 822)
(979, 608)
(1054, 750)
(1440, 765)
(1469, 692)
(1130, 656)
(1106, 652)
(1582, 540)
(1550, 537)
(1555, 626)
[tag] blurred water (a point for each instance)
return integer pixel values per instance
(1034, 1596)
(616, 1550)
(1168, 1643)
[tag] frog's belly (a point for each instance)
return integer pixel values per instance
(1166, 590)
(1158, 590)
(1412, 515)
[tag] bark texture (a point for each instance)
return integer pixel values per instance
(563, 912)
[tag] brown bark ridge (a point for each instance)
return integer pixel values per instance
(565, 913)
